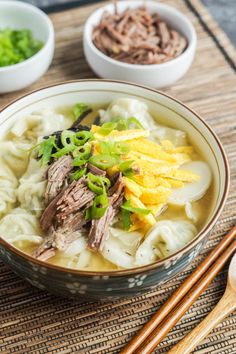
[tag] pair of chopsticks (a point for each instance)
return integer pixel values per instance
(168, 315)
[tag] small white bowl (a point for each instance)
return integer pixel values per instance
(19, 15)
(155, 75)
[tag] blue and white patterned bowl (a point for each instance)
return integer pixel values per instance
(88, 285)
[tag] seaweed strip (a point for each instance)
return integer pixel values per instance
(80, 118)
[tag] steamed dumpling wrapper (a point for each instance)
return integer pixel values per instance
(77, 253)
(165, 238)
(15, 154)
(121, 246)
(119, 249)
(32, 187)
(125, 108)
(129, 107)
(8, 185)
(20, 228)
(177, 137)
(39, 124)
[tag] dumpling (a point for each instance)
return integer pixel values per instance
(121, 246)
(161, 132)
(20, 228)
(130, 107)
(76, 247)
(8, 184)
(77, 253)
(163, 239)
(32, 187)
(39, 124)
(15, 155)
(126, 108)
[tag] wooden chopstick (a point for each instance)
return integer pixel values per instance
(159, 333)
(178, 295)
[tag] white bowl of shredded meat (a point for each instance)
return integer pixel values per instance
(143, 42)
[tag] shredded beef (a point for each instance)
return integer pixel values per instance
(95, 170)
(56, 175)
(63, 217)
(137, 37)
(45, 250)
(99, 228)
(49, 213)
(75, 197)
(57, 240)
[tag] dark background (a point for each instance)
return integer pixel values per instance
(224, 11)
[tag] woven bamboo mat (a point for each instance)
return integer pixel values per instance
(33, 321)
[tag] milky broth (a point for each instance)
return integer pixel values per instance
(97, 261)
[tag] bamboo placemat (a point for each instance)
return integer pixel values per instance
(33, 321)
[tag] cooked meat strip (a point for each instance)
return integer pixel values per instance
(95, 170)
(164, 34)
(99, 228)
(135, 36)
(49, 213)
(72, 222)
(117, 187)
(56, 175)
(75, 197)
(63, 239)
(57, 240)
(45, 250)
(64, 216)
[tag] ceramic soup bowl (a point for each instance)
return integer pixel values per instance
(89, 285)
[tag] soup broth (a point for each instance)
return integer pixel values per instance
(24, 180)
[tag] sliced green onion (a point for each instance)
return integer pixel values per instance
(107, 128)
(135, 121)
(98, 184)
(82, 137)
(17, 45)
(78, 162)
(104, 161)
(105, 147)
(122, 124)
(125, 168)
(64, 151)
(75, 176)
(87, 214)
(121, 148)
(126, 220)
(82, 152)
(45, 149)
(111, 148)
(67, 138)
(99, 206)
(127, 206)
(79, 108)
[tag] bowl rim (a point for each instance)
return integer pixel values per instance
(191, 44)
(141, 269)
(50, 37)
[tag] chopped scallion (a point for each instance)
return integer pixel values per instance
(104, 161)
(79, 108)
(127, 206)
